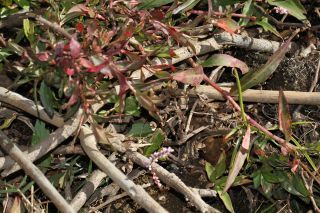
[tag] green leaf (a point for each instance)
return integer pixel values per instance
(25, 4)
(40, 132)
(254, 78)
(47, 98)
(187, 5)
(156, 141)
(140, 130)
(257, 176)
(239, 160)
(270, 177)
(225, 60)
(4, 53)
(224, 196)
(131, 106)
(268, 27)
(215, 172)
(298, 183)
(150, 4)
(294, 7)
(247, 11)
(28, 28)
(224, 3)
(266, 187)
(294, 185)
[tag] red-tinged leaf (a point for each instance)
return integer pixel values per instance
(284, 116)
(43, 56)
(72, 100)
(239, 160)
(192, 76)
(74, 48)
(146, 102)
(295, 165)
(158, 15)
(69, 71)
(85, 63)
(79, 27)
(228, 24)
(180, 38)
(254, 78)
(79, 8)
(124, 85)
(225, 60)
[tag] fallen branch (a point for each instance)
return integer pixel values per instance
(45, 146)
(262, 96)
(136, 192)
(87, 190)
(22, 159)
(20, 102)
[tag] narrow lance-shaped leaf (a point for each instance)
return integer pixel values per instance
(254, 78)
(193, 76)
(227, 24)
(239, 160)
(284, 116)
(225, 60)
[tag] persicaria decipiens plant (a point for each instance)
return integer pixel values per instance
(163, 153)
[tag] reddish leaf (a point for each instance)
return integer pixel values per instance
(180, 38)
(284, 116)
(69, 71)
(43, 56)
(192, 76)
(295, 165)
(225, 60)
(85, 63)
(74, 48)
(79, 27)
(239, 160)
(72, 100)
(228, 24)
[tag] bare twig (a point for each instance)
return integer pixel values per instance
(35, 174)
(137, 193)
(52, 25)
(45, 146)
(29, 106)
(263, 96)
(87, 190)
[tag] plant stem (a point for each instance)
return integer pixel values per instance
(227, 96)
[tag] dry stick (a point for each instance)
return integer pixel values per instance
(227, 96)
(136, 192)
(50, 24)
(29, 106)
(262, 96)
(87, 190)
(45, 185)
(45, 146)
(212, 44)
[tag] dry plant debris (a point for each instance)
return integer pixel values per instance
(161, 105)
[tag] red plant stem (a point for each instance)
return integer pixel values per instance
(252, 121)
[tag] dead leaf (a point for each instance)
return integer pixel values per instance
(284, 116)
(239, 160)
